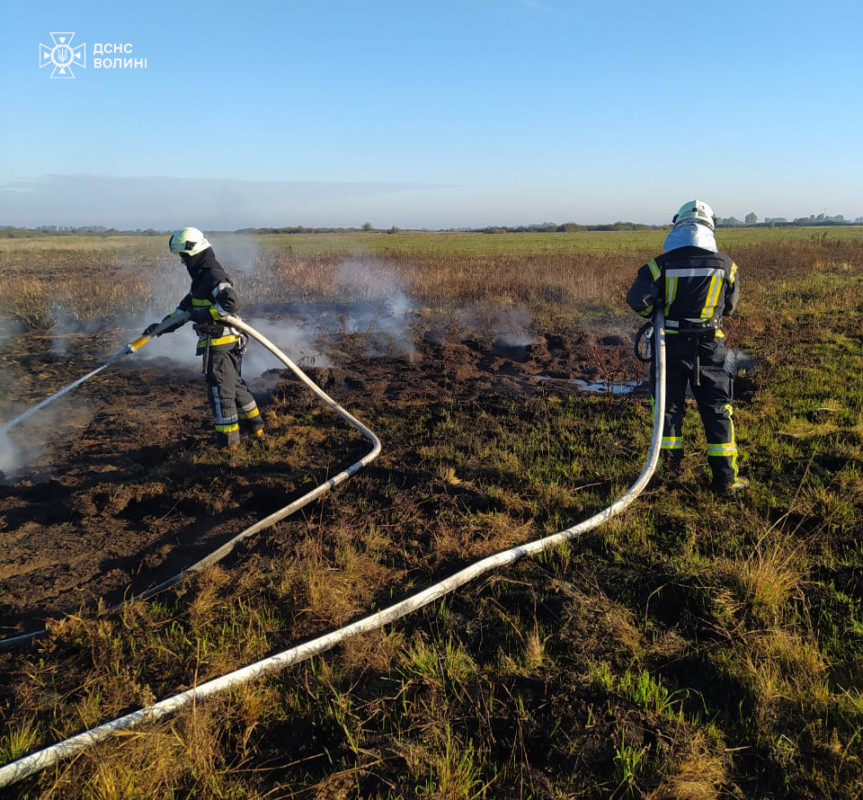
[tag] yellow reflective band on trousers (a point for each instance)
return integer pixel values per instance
(726, 449)
(234, 426)
(255, 412)
(672, 443)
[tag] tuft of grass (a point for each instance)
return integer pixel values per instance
(767, 580)
(19, 740)
(454, 769)
(699, 773)
(629, 760)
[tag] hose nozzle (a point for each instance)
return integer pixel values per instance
(137, 344)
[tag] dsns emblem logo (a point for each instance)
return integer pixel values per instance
(62, 56)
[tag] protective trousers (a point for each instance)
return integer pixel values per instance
(232, 403)
(698, 361)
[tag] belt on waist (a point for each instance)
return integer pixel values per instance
(692, 325)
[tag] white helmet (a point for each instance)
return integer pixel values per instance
(697, 211)
(189, 241)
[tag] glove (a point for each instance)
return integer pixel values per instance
(148, 331)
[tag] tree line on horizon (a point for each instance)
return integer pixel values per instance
(749, 221)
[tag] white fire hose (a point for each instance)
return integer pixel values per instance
(56, 753)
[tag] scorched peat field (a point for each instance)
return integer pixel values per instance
(693, 647)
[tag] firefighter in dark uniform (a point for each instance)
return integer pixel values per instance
(211, 298)
(697, 285)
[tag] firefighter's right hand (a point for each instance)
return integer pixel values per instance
(148, 331)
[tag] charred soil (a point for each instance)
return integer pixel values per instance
(125, 490)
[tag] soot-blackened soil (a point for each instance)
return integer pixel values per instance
(114, 487)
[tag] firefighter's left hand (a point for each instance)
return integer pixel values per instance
(148, 331)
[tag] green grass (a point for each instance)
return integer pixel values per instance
(434, 243)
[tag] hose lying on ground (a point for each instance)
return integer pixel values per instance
(53, 754)
(272, 519)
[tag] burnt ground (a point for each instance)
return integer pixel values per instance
(118, 488)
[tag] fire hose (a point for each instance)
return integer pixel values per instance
(54, 754)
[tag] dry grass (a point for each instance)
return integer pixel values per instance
(767, 580)
(700, 772)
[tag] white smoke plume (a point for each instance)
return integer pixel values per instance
(238, 254)
(10, 456)
(294, 337)
(9, 329)
(177, 346)
(510, 326)
(25, 447)
(380, 307)
(66, 325)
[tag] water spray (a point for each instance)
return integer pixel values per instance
(54, 754)
(130, 348)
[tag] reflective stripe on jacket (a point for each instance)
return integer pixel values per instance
(696, 286)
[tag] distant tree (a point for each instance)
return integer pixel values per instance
(367, 226)
(751, 218)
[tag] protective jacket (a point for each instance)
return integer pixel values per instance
(696, 287)
(210, 298)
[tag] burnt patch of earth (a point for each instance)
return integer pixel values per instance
(121, 489)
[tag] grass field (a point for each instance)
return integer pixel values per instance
(693, 648)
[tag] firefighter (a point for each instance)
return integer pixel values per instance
(697, 285)
(211, 298)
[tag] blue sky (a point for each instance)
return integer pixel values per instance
(451, 113)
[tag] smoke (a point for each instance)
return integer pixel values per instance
(66, 325)
(10, 457)
(381, 307)
(294, 337)
(16, 456)
(237, 254)
(177, 347)
(18, 453)
(372, 303)
(510, 326)
(23, 446)
(9, 329)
